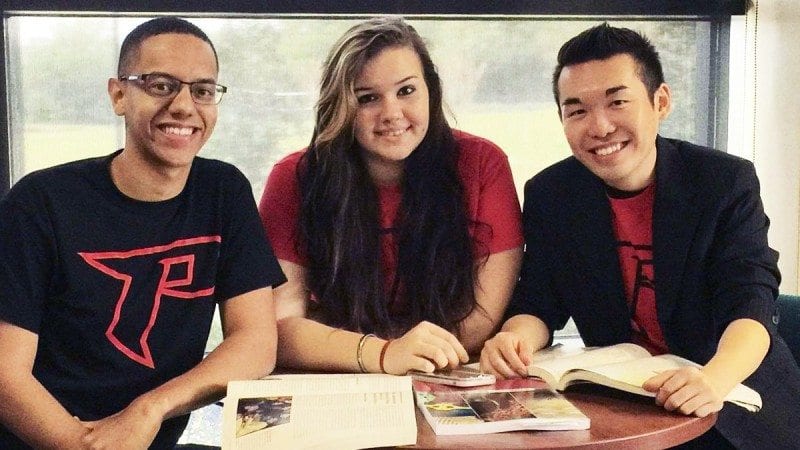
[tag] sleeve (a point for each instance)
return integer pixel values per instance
(247, 260)
(533, 293)
(28, 256)
(499, 221)
(279, 209)
(742, 270)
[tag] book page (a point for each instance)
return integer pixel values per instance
(631, 375)
(556, 365)
(319, 411)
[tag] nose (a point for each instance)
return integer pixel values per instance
(601, 125)
(182, 103)
(391, 110)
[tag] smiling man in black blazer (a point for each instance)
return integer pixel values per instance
(654, 241)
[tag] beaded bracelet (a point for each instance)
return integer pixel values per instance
(360, 351)
(383, 354)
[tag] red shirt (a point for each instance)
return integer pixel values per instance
(633, 227)
(491, 199)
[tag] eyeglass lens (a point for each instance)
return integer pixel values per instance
(165, 86)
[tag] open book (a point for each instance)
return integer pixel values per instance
(623, 366)
(481, 410)
(342, 411)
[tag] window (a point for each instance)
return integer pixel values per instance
(496, 74)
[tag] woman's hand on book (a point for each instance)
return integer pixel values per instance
(688, 390)
(506, 355)
(426, 347)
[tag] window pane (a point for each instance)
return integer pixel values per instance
(496, 75)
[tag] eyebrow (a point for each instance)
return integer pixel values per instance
(360, 89)
(610, 91)
(201, 80)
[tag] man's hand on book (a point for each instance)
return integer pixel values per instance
(688, 390)
(506, 355)
(426, 347)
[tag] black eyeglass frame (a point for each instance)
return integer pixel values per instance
(219, 90)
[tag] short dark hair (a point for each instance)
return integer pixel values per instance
(604, 41)
(154, 27)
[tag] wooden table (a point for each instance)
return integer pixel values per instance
(619, 421)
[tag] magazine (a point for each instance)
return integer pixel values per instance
(623, 366)
(481, 410)
(341, 411)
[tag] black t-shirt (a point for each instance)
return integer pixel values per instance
(122, 292)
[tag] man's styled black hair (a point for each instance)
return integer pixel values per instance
(154, 27)
(604, 41)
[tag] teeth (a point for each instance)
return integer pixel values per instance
(393, 133)
(608, 150)
(180, 131)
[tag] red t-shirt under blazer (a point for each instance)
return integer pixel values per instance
(633, 227)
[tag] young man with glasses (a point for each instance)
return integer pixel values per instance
(112, 267)
(655, 241)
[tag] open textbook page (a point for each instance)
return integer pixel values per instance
(341, 411)
(623, 366)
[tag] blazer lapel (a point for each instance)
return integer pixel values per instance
(675, 218)
(594, 247)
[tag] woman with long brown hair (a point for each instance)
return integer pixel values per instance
(400, 237)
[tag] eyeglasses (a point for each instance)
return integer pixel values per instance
(166, 86)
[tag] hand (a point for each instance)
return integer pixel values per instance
(688, 390)
(426, 347)
(132, 428)
(506, 355)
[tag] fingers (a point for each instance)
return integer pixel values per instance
(686, 390)
(505, 356)
(425, 347)
(655, 383)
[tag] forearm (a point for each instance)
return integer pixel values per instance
(241, 356)
(308, 344)
(495, 285)
(476, 329)
(28, 409)
(742, 347)
(37, 418)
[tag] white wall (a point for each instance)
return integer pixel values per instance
(765, 118)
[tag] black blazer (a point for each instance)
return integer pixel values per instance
(712, 265)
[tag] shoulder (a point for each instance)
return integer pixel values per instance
(698, 153)
(284, 171)
(72, 178)
(476, 147)
(702, 166)
(289, 163)
(213, 174)
(477, 155)
(560, 176)
(215, 168)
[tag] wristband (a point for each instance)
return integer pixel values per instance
(383, 354)
(360, 351)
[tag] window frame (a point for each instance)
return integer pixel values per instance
(717, 12)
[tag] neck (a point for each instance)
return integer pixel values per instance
(384, 173)
(139, 180)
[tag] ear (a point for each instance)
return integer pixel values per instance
(662, 100)
(116, 93)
